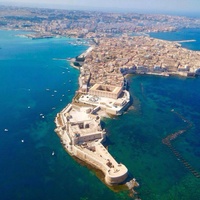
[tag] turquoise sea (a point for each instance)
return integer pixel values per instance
(35, 86)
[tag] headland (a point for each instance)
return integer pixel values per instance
(103, 91)
(82, 136)
(80, 130)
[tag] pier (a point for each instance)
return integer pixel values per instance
(182, 41)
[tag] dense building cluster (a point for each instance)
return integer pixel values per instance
(88, 24)
(113, 58)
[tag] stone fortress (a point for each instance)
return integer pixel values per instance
(79, 126)
(103, 91)
(82, 137)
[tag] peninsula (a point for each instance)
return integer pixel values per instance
(103, 91)
(80, 130)
(114, 53)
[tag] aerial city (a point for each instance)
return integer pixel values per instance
(130, 83)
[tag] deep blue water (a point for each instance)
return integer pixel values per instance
(183, 34)
(136, 137)
(32, 86)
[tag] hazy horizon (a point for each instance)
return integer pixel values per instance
(184, 7)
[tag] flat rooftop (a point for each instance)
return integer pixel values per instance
(103, 101)
(106, 88)
(79, 114)
(92, 129)
(81, 120)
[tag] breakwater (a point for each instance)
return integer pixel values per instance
(167, 141)
(182, 41)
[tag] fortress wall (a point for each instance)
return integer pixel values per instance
(118, 177)
(91, 137)
(67, 108)
(66, 137)
(111, 111)
(90, 159)
(117, 112)
(110, 177)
